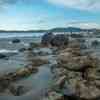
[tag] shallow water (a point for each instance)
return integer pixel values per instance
(36, 84)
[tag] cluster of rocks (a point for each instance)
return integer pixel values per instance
(58, 40)
(76, 76)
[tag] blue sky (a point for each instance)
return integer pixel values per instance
(46, 14)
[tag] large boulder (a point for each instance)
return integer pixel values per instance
(59, 40)
(47, 38)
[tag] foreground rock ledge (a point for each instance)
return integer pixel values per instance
(77, 75)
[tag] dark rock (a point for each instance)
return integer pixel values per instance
(16, 41)
(22, 49)
(2, 56)
(17, 90)
(59, 40)
(47, 38)
(34, 45)
(95, 43)
(76, 35)
(4, 83)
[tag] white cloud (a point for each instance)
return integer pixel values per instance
(78, 4)
(84, 25)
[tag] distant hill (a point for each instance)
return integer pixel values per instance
(71, 29)
(59, 29)
(22, 31)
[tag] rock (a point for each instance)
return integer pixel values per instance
(22, 49)
(55, 96)
(58, 72)
(38, 61)
(4, 83)
(2, 56)
(60, 40)
(77, 35)
(74, 44)
(23, 72)
(95, 43)
(77, 74)
(47, 38)
(61, 81)
(87, 91)
(34, 45)
(17, 90)
(16, 41)
(76, 63)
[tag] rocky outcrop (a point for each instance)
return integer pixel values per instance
(76, 76)
(47, 38)
(58, 40)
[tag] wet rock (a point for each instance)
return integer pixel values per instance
(16, 41)
(26, 71)
(76, 63)
(17, 90)
(2, 56)
(58, 72)
(34, 45)
(38, 61)
(4, 83)
(60, 40)
(82, 74)
(87, 91)
(22, 49)
(60, 82)
(47, 38)
(74, 44)
(95, 43)
(55, 96)
(76, 35)
(42, 52)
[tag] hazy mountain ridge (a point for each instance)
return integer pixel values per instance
(58, 29)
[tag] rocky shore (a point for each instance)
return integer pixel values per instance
(76, 75)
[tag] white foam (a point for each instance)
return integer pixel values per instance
(8, 51)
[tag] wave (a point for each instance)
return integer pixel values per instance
(8, 51)
(14, 35)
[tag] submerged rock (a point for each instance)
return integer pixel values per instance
(2, 56)
(16, 41)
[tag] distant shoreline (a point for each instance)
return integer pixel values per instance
(59, 29)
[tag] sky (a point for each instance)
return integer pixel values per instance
(47, 14)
